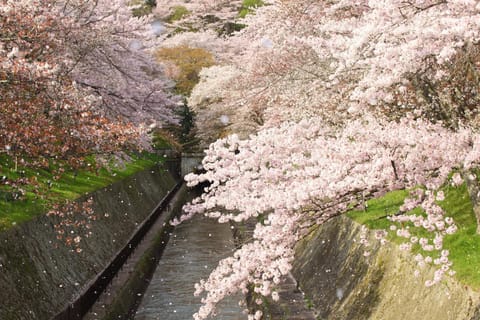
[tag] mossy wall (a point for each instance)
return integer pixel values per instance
(343, 284)
(40, 274)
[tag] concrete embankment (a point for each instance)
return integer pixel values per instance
(40, 274)
(343, 284)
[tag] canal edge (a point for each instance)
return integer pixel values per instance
(101, 287)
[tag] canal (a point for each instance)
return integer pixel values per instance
(194, 249)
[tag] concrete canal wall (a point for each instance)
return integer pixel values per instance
(340, 283)
(40, 274)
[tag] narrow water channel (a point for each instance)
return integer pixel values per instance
(194, 249)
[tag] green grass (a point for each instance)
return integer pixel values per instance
(248, 6)
(464, 245)
(374, 216)
(178, 13)
(50, 191)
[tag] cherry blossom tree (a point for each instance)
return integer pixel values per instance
(219, 10)
(109, 51)
(388, 57)
(75, 80)
(213, 119)
(303, 174)
(43, 112)
(351, 99)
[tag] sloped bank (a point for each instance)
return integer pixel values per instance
(343, 284)
(123, 297)
(39, 274)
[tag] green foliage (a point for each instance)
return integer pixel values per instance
(185, 27)
(464, 245)
(151, 3)
(159, 142)
(248, 6)
(189, 62)
(230, 27)
(47, 187)
(178, 13)
(309, 303)
(163, 139)
(144, 8)
(186, 124)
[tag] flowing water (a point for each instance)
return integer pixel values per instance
(194, 249)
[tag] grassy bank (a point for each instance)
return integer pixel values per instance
(248, 6)
(45, 187)
(464, 245)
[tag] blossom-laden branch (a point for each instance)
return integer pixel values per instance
(336, 59)
(74, 80)
(309, 165)
(357, 70)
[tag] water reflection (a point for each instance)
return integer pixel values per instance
(193, 251)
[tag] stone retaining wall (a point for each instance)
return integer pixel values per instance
(39, 274)
(343, 284)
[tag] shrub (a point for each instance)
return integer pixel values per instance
(189, 62)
